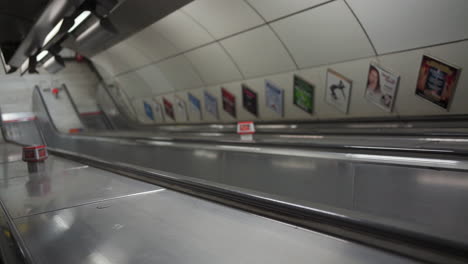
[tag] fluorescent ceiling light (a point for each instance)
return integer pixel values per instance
(24, 67)
(79, 19)
(41, 55)
(53, 32)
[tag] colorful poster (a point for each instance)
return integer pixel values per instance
(148, 110)
(382, 87)
(338, 92)
(169, 109)
(181, 109)
(158, 112)
(303, 96)
(211, 105)
(437, 81)
(229, 102)
(249, 100)
(274, 98)
(195, 105)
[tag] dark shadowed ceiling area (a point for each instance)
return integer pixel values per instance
(16, 18)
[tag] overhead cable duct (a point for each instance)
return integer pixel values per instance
(52, 15)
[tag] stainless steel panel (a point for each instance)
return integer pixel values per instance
(168, 227)
(23, 133)
(10, 153)
(65, 184)
(336, 182)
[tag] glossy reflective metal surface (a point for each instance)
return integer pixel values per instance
(167, 227)
(78, 214)
(64, 184)
(418, 194)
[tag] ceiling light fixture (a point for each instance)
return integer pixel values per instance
(53, 32)
(79, 19)
(41, 55)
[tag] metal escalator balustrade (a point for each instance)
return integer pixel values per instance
(367, 201)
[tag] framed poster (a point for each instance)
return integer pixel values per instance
(249, 100)
(195, 105)
(169, 109)
(382, 86)
(211, 104)
(303, 96)
(148, 110)
(437, 81)
(158, 112)
(338, 92)
(274, 98)
(229, 102)
(181, 109)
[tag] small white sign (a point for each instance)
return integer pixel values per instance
(246, 130)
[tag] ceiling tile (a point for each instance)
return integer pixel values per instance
(273, 9)
(223, 17)
(323, 35)
(259, 52)
(133, 85)
(126, 58)
(180, 73)
(213, 64)
(401, 24)
(155, 79)
(152, 44)
(182, 31)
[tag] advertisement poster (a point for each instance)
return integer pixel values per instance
(382, 87)
(169, 109)
(303, 96)
(437, 81)
(148, 110)
(249, 100)
(229, 102)
(338, 93)
(195, 105)
(158, 112)
(274, 98)
(181, 109)
(211, 105)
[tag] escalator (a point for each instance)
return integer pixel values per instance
(128, 200)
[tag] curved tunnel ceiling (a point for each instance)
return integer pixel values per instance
(210, 42)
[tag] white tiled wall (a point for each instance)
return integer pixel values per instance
(210, 44)
(328, 28)
(258, 52)
(407, 24)
(223, 17)
(213, 64)
(81, 82)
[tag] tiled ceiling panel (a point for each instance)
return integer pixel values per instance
(182, 31)
(128, 57)
(213, 64)
(273, 9)
(223, 17)
(407, 24)
(180, 73)
(152, 44)
(259, 52)
(323, 35)
(155, 79)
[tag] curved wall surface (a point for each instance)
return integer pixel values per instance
(213, 44)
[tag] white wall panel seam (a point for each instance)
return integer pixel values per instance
(197, 72)
(424, 47)
(293, 13)
(276, 34)
(217, 41)
(362, 26)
